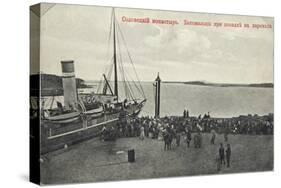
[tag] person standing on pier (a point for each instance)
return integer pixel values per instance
(188, 137)
(218, 163)
(213, 136)
(225, 135)
(178, 136)
(228, 154)
(226, 131)
(221, 154)
(103, 133)
(142, 133)
(166, 139)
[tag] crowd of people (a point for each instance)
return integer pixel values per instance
(160, 127)
(174, 127)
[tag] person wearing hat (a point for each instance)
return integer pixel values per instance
(221, 154)
(228, 154)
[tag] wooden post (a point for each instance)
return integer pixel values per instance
(157, 96)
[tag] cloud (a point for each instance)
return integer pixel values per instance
(178, 52)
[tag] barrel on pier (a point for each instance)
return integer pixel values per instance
(131, 156)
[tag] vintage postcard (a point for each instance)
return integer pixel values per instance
(124, 93)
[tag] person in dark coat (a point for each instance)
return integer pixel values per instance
(197, 139)
(228, 154)
(188, 137)
(178, 136)
(213, 136)
(166, 139)
(221, 154)
(225, 136)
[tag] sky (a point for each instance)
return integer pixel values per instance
(179, 53)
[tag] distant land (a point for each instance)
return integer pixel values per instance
(51, 85)
(202, 83)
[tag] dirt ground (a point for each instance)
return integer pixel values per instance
(95, 160)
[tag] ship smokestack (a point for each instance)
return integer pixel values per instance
(69, 84)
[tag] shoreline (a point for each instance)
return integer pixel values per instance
(199, 83)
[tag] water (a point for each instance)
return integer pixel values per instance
(219, 101)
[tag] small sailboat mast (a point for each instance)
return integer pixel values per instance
(117, 44)
(115, 59)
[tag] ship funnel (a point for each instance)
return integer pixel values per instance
(69, 84)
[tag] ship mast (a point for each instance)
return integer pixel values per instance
(115, 59)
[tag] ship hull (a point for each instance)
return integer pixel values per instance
(56, 135)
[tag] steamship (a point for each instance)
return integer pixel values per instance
(82, 115)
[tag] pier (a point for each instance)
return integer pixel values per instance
(95, 160)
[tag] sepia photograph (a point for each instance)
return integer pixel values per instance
(125, 93)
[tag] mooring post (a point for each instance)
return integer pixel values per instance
(157, 96)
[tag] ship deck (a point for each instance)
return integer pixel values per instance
(95, 160)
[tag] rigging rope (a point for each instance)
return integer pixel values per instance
(127, 85)
(131, 61)
(127, 94)
(99, 85)
(107, 68)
